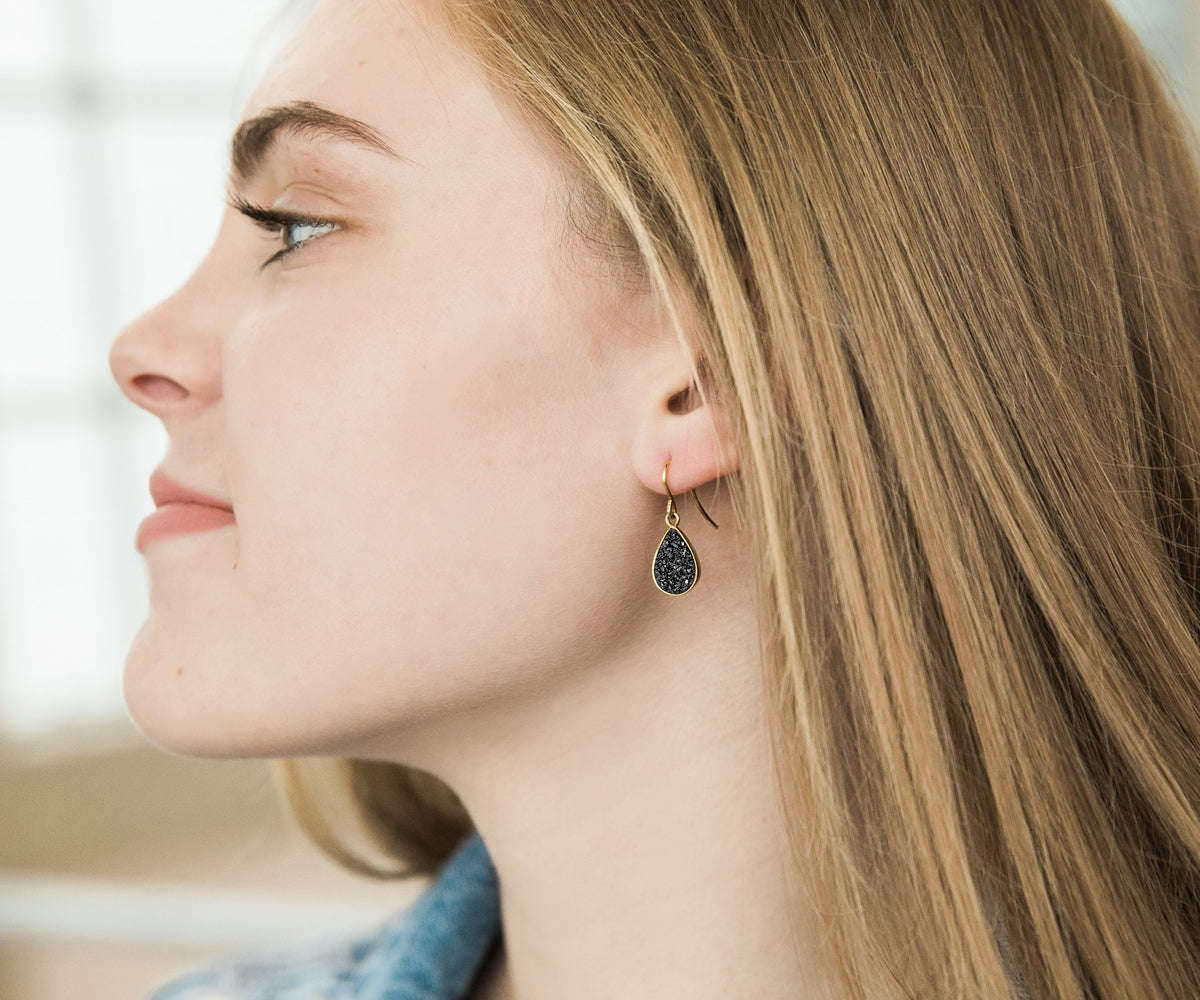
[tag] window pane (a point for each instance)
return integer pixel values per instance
(28, 39)
(41, 258)
(58, 620)
(168, 194)
(157, 39)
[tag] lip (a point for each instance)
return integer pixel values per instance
(180, 511)
(164, 490)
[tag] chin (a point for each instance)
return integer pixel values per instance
(183, 732)
(168, 724)
(169, 697)
(201, 707)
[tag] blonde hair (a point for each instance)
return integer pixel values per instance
(945, 256)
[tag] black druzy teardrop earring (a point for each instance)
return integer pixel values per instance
(676, 567)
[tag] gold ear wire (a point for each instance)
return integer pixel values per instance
(676, 567)
(672, 506)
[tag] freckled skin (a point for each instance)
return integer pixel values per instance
(410, 419)
(442, 431)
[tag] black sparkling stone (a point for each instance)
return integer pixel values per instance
(674, 563)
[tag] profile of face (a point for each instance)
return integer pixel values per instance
(440, 431)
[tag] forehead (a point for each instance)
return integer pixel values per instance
(394, 65)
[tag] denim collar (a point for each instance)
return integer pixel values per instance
(430, 951)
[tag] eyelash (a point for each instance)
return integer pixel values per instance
(278, 221)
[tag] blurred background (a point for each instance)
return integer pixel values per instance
(120, 864)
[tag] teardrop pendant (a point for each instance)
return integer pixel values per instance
(676, 568)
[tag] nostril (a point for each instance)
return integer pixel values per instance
(159, 388)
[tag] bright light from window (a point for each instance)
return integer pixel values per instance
(120, 111)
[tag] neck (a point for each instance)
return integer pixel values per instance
(630, 811)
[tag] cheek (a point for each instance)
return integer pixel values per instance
(427, 488)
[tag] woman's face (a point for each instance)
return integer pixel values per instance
(418, 416)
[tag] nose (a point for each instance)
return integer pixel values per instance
(168, 360)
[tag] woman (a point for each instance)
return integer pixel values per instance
(886, 313)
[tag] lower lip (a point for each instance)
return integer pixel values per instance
(181, 519)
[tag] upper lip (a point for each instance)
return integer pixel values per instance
(163, 490)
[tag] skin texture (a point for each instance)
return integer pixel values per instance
(442, 432)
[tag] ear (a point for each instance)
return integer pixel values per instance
(680, 426)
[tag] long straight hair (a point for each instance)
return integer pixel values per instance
(946, 259)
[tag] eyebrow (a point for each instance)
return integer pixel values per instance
(254, 138)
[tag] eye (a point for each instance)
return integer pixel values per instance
(293, 229)
(301, 233)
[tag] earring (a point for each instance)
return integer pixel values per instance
(676, 568)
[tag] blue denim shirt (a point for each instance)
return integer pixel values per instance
(430, 951)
